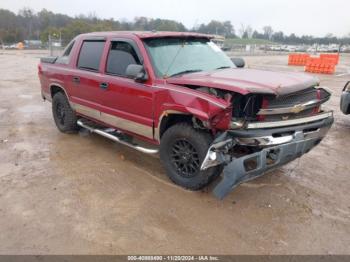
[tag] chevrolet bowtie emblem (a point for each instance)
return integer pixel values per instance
(297, 108)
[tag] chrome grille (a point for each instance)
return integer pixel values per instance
(304, 113)
(295, 99)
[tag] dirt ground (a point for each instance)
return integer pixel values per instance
(83, 194)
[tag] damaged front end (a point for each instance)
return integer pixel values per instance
(248, 167)
(267, 151)
(257, 131)
(280, 133)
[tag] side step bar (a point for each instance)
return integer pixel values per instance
(115, 137)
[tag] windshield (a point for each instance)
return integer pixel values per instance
(176, 56)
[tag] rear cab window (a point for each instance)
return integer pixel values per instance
(90, 55)
(65, 57)
(120, 56)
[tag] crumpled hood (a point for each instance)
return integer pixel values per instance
(245, 80)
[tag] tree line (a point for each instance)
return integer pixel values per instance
(30, 25)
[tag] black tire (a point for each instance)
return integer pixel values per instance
(63, 114)
(175, 157)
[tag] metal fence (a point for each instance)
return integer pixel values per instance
(55, 45)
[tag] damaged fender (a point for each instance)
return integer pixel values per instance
(215, 113)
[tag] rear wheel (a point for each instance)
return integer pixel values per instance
(182, 151)
(63, 114)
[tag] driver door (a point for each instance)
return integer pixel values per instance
(125, 104)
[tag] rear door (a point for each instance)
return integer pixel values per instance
(86, 78)
(126, 103)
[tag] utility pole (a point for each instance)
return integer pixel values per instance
(60, 40)
(50, 45)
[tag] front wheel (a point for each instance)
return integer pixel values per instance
(182, 150)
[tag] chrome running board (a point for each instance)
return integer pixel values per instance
(116, 136)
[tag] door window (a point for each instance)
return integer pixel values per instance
(64, 59)
(90, 55)
(120, 56)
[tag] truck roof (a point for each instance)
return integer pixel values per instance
(146, 34)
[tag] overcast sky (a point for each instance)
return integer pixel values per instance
(313, 17)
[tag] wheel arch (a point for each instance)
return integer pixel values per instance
(171, 117)
(55, 88)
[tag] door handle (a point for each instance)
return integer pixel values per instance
(104, 85)
(76, 79)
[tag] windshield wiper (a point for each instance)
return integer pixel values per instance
(222, 67)
(186, 72)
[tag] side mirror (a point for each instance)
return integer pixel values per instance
(239, 62)
(136, 72)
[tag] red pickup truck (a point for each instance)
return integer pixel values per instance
(202, 111)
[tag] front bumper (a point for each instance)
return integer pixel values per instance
(281, 134)
(275, 148)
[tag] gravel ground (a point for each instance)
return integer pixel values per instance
(82, 194)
